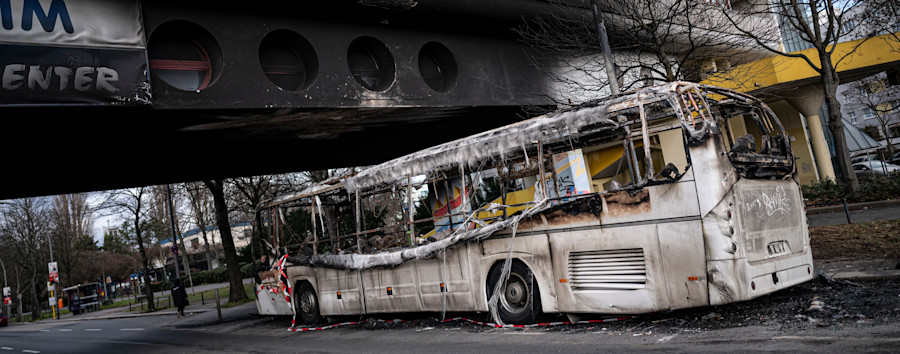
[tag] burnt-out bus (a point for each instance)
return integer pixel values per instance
(668, 197)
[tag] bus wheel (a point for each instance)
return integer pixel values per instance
(306, 304)
(520, 301)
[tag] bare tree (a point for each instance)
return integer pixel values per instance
(72, 225)
(25, 229)
(251, 191)
(821, 25)
(134, 205)
(652, 42)
(217, 189)
(874, 94)
(202, 213)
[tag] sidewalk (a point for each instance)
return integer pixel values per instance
(853, 206)
(857, 270)
(192, 309)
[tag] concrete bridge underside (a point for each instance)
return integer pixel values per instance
(366, 81)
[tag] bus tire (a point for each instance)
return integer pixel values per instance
(520, 300)
(306, 303)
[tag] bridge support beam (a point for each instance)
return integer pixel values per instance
(808, 101)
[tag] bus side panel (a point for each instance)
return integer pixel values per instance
(653, 203)
(684, 262)
(452, 269)
(614, 270)
(393, 289)
(534, 251)
(333, 281)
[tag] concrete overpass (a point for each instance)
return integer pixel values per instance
(104, 94)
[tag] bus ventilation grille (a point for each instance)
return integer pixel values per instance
(608, 270)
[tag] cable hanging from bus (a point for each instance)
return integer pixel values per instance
(669, 197)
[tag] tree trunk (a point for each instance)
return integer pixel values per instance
(830, 82)
(148, 284)
(216, 188)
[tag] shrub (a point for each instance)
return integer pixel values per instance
(824, 191)
(871, 188)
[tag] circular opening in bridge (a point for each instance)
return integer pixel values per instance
(288, 60)
(437, 67)
(184, 55)
(371, 63)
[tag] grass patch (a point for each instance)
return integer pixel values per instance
(879, 239)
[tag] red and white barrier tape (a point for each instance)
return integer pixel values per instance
(489, 324)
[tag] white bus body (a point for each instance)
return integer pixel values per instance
(730, 228)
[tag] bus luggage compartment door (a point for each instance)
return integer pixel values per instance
(614, 270)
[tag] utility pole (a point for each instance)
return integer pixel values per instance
(5, 287)
(607, 52)
(52, 286)
(174, 233)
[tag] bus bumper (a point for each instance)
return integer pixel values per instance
(738, 279)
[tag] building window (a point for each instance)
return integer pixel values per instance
(852, 117)
(869, 113)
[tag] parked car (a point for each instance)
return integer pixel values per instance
(864, 158)
(874, 167)
(895, 158)
(3, 320)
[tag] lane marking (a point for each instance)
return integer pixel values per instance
(45, 330)
(66, 330)
(93, 329)
(6, 348)
(131, 329)
(667, 338)
(30, 351)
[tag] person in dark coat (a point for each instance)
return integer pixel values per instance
(179, 296)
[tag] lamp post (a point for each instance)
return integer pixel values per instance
(5, 285)
(174, 233)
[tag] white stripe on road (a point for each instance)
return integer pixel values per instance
(66, 330)
(30, 351)
(45, 330)
(131, 329)
(93, 329)
(6, 348)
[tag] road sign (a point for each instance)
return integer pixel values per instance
(54, 272)
(53, 301)
(7, 300)
(7, 291)
(51, 286)
(175, 249)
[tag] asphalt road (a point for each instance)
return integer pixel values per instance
(865, 215)
(267, 335)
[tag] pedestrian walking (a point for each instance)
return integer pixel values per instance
(179, 296)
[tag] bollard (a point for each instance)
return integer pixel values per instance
(202, 302)
(129, 305)
(218, 306)
(847, 211)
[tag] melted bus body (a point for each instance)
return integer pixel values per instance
(670, 197)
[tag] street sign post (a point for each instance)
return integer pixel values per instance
(175, 249)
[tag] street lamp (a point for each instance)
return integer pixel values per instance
(5, 285)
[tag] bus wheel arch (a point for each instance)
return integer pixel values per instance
(306, 303)
(520, 299)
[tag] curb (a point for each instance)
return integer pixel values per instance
(854, 206)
